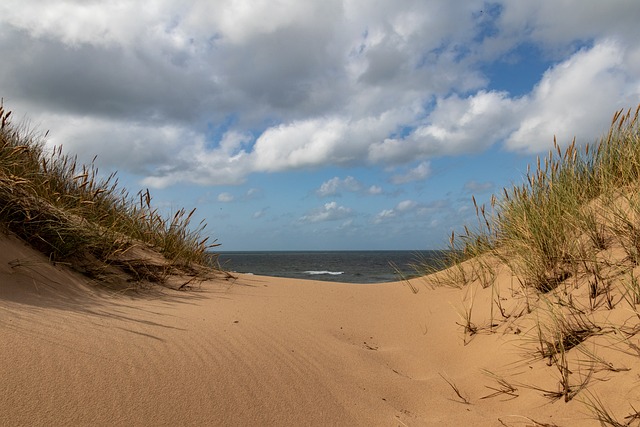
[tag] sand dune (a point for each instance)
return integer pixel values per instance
(252, 351)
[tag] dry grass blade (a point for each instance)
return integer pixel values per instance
(404, 280)
(67, 211)
(503, 388)
(601, 413)
(557, 232)
(456, 390)
(528, 420)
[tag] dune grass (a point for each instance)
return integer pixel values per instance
(569, 235)
(543, 228)
(576, 203)
(71, 214)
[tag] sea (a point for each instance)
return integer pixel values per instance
(332, 266)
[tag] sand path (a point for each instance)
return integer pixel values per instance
(255, 351)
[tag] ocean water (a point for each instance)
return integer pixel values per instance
(333, 266)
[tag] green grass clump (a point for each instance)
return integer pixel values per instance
(570, 236)
(566, 210)
(66, 211)
(541, 226)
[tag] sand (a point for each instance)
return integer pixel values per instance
(257, 351)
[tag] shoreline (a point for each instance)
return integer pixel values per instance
(332, 266)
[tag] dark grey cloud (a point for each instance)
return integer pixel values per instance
(110, 81)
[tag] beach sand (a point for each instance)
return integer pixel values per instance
(258, 351)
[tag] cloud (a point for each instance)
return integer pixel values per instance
(419, 173)
(310, 82)
(384, 215)
(478, 187)
(211, 92)
(575, 99)
(402, 208)
(406, 205)
(329, 212)
(375, 190)
(314, 142)
(252, 193)
(335, 186)
(259, 214)
(225, 197)
(553, 25)
(456, 125)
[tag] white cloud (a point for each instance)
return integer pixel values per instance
(456, 125)
(211, 92)
(375, 190)
(406, 206)
(555, 23)
(300, 144)
(384, 215)
(322, 141)
(136, 147)
(575, 98)
(329, 212)
(225, 197)
(402, 208)
(259, 214)
(419, 173)
(77, 23)
(335, 186)
(347, 225)
(478, 187)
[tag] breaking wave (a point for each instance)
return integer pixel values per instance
(315, 273)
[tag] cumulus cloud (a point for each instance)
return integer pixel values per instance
(329, 212)
(384, 215)
(335, 186)
(402, 208)
(212, 92)
(375, 190)
(225, 197)
(137, 147)
(419, 173)
(456, 125)
(314, 142)
(556, 25)
(575, 99)
(406, 205)
(250, 194)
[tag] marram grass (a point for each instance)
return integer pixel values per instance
(545, 228)
(570, 237)
(68, 212)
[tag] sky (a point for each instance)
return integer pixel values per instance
(319, 124)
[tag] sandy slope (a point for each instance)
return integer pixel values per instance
(256, 351)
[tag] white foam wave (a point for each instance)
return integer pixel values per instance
(333, 273)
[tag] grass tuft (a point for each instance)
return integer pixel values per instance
(71, 214)
(543, 227)
(463, 399)
(569, 238)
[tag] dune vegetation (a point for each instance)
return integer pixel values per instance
(551, 266)
(558, 257)
(73, 215)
